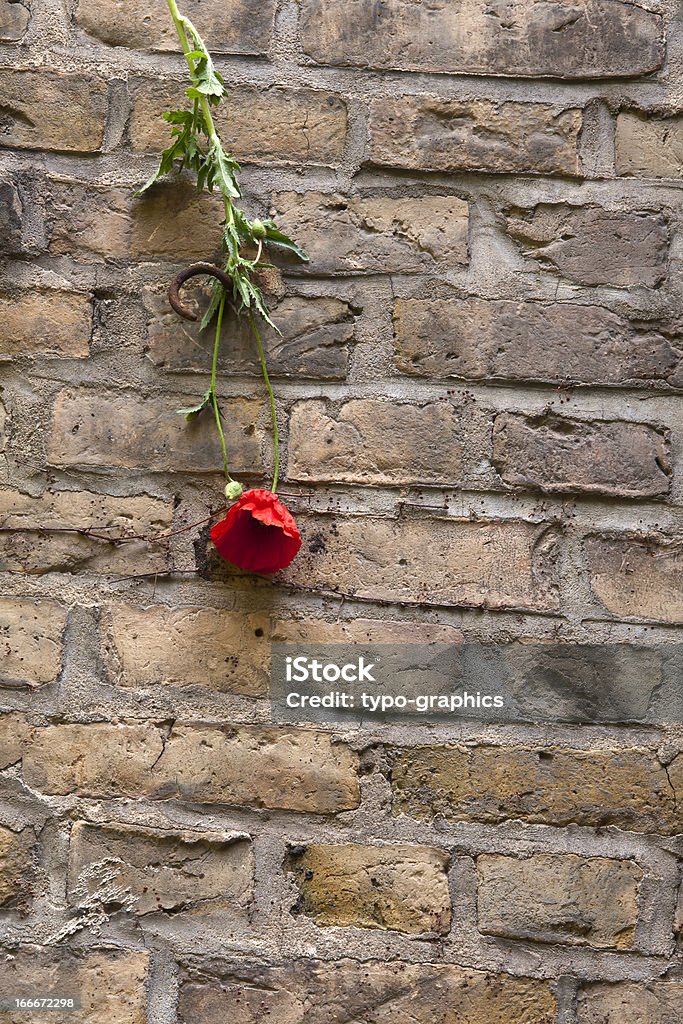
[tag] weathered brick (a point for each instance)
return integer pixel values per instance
(172, 222)
(426, 133)
(559, 898)
(237, 26)
(365, 235)
(593, 246)
(372, 441)
(548, 452)
(551, 785)
(122, 430)
(206, 765)
(226, 651)
(10, 220)
(399, 887)
(274, 125)
(369, 990)
(443, 562)
(44, 110)
(30, 641)
(52, 322)
(15, 733)
(558, 342)
(631, 1003)
(17, 852)
(111, 983)
(162, 869)
(361, 630)
(43, 542)
(14, 19)
(637, 577)
(315, 339)
(582, 39)
(649, 146)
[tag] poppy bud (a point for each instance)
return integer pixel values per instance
(258, 228)
(233, 490)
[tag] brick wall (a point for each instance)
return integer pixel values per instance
(479, 385)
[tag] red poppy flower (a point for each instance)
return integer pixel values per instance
(257, 534)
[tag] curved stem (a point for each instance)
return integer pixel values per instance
(214, 397)
(179, 21)
(273, 412)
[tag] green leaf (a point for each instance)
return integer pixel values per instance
(277, 237)
(212, 308)
(194, 410)
(225, 169)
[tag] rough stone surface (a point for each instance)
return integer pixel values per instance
(10, 219)
(558, 342)
(551, 785)
(322, 992)
(426, 133)
(397, 887)
(31, 634)
(593, 246)
(17, 851)
(203, 765)
(111, 982)
(637, 577)
(260, 126)
(631, 1003)
(161, 869)
(237, 26)
(369, 441)
(14, 19)
(380, 235)
(442, 562)
(649, 147)
(191, 647)
(555, 453)
(67, 531)
(51, 322)
(584, 39)
(563, 898)
(118, 430)
(317, 334)
(44, 110)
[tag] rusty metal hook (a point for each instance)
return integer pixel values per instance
(195, 270)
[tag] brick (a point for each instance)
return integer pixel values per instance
(584, 39)
(383, 235)
(206, 765)
(315, 342)
(425, 133)
(17, 853)
(379, 992)
(162, 869)
(111, 983)
(226, 651)
(15, 733)
(14, 19)
(10, 220)
(51, 322)
(649, 146)
(30, 641)
(554, 453)
(398, 887)
(442, 562)
(559, 898)
(631, 1003)
(261, 126)
(60, 112)
(40, 544)
(593, 246)
(362, 630)
(637, 577)
(121, 430)
(557, 342)
(548, 785)
(238, 26)
(371, 441)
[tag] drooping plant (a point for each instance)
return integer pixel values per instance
(258, 533)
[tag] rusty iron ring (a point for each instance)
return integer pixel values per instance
(195, 270)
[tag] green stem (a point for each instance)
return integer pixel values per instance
(179, 22)
(214, 397)
(273, 413)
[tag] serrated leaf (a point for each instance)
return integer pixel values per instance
(225, 169)
(212, 309)
(194, 410)
(277, 237)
